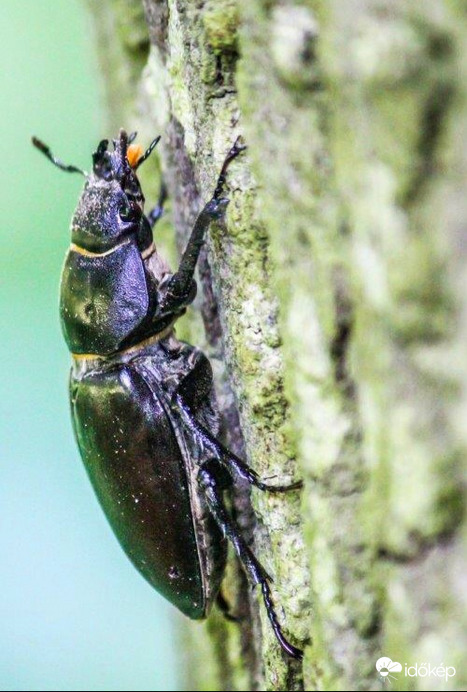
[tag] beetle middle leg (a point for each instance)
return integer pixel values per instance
(226, 457)
(212, 486)
(156, 212)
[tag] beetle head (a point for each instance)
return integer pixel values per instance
(119, 165)
(110, 208)
(111, 205)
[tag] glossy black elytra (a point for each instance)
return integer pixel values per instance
(143, 406)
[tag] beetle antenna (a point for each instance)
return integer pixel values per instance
(132, 137)
(56, 162)
(147, 153)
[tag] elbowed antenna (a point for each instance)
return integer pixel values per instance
(56, 162)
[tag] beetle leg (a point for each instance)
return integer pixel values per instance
(230, 460)
(179, 285)
(156, 213)
(213, 494)
(234, 151)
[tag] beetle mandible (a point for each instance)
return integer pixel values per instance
(142, 402)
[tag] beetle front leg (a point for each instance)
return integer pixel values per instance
(226, 457)
(212, 489)
(180, 285)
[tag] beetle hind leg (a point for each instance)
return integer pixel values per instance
(212, 490)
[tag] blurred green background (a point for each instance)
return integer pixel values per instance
(74, 614)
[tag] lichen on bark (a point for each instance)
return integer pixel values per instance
(332, 307)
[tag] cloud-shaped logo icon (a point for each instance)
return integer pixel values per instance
(386, 667)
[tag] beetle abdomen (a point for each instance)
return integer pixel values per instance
(103, 298)
(135, 465)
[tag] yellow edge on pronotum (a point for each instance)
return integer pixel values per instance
(87, 253)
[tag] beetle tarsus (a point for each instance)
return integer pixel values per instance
(234, 151)
(252, 566)
(285, 644)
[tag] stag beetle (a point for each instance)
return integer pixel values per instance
(142, 402)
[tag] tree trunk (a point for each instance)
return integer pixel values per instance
(334, 308)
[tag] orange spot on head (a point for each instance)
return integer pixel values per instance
(134, 153)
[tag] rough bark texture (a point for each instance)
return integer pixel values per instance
(334, 306)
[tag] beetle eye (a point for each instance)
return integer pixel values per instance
(124, 211)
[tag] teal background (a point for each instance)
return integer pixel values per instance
(74, 614)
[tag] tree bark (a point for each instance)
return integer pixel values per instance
(334, 309)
